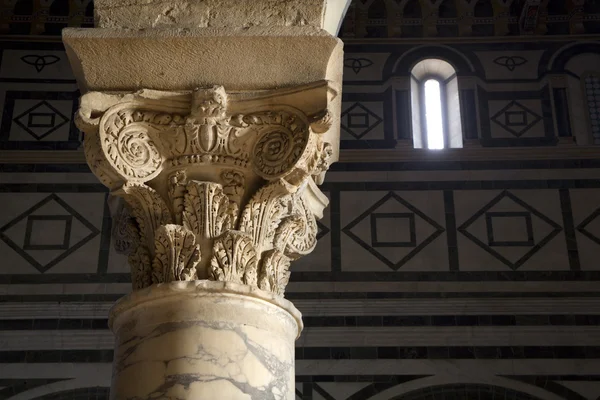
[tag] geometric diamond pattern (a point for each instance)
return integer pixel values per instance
(45, 256)
(41, 120)
(410, 240)
(584, 226)
(358, 120)
(526, 211)
(322, 230)
(52, 223)
(525, 237)
(516, 118)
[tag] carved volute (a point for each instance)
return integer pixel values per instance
(215, 185)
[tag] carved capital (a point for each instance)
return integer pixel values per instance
(216, 185)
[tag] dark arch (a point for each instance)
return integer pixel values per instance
(22, 7)
(483, 8)
(59, 8)
(557, 7)
(591, 7)
(89, 10)
(448, 9)
(515, 8)
(92, 393)
(515, 12)
(401, 64)
(465, 392)
(412, 9)
(377, 10)
(89, 13)
(565, 55)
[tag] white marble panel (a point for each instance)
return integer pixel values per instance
(362, 120)
(520, 118)
(413, 236)
(25, 213)
(481, 218)
(35, 64)
(553, 256)
(41, 120)
(364, 66)
(509, 65)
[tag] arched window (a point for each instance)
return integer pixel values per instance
(577, 101)
(436, 122)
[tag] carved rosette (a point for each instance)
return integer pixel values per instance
(214, 185)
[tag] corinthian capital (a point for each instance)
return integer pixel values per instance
(216, 185)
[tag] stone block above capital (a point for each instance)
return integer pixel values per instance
(258, 58)
(185, 44)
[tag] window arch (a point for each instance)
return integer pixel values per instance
(578, 114)
(436, 120)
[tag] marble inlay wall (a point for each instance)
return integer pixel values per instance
(465, 273)
(512, 93)
(592, 91)
(365, 18)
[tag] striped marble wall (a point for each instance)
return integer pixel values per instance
(461, 274)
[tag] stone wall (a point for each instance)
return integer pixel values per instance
(457, 274)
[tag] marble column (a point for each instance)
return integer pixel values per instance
(212, 123)
(204, 340)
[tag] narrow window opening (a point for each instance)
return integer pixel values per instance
(435, 106)
(433, 115)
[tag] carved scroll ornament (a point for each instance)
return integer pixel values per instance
(208, 193)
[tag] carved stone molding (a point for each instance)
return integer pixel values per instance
(216, 185)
